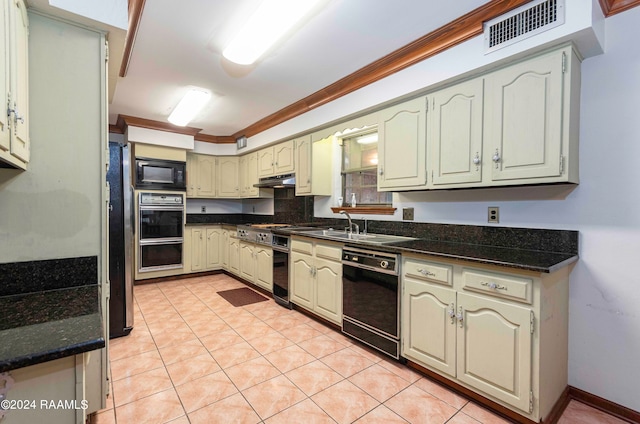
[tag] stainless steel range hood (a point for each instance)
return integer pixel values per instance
(279, 181)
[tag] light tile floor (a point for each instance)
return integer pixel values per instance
(194, 358)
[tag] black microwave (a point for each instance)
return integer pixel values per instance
(160, 174)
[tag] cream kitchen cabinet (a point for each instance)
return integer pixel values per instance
(224, 249)
(228, 169)
(276, 160)
(201, 176)
(203, 248)
(501, 333)
(314, 166)
(249, 176)
(455, 134)
(234, 254)
(402, 146)
(256, 264)
(316, 280)
(531, 120)
(14, 83)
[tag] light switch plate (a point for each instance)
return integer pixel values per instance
(407, 214)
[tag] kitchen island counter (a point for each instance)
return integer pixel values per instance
(47, 325)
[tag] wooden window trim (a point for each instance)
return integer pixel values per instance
(366, 210)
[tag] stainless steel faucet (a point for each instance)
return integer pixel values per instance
(351, 225)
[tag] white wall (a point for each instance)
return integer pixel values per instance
(604, 293)
(53, 210)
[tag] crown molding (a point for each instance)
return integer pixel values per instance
(124, 121)
(219, 139)
(611, 7)
(135, 14)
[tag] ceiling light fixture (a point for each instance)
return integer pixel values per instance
(271, 20)
(189, 106)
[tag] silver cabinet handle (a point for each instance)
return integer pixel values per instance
(493, 286)
(496, 157)
(476, 161)
(381, 171)
(452, 313)
(426, 273)
(460, 317)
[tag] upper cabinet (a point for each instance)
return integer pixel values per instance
(401, 147)
(515, 126)
(276, 160)
(314, 166)
(14, 83)
(528, 119)
(455, 133)
(249, 177)
(201, 176)
(228, 176)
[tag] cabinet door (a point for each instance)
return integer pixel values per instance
(247, 261)
(302, 280)
(234, 255)
(213, 257)
(283, 155)
(524, 119)
(265, 162)
(401, 146)
(429, 330)
(303, 166)
(224, 249)
(206, 181)
(455, 136)
(264, 268)
(251, 174)
(198, 248)
(192, 175)
(328, 289)
(228, 183)
(20, 80)
(494, 348)
(242, 176)
(5, 70)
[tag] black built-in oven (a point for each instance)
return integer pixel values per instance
(159, 174)
(370, 300)
(160, 231)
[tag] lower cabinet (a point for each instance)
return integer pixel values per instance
(256, 264)
(316, 277)
(203, 248)
(234, 254)
(501, 334)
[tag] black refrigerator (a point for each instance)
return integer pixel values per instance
(121, 233)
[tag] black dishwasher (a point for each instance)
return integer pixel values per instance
(370, 300)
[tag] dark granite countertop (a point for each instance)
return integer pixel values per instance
(47, 325)
(530, 260)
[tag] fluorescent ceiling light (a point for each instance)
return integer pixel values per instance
(270, 22)
(368, 139)
(189, 106)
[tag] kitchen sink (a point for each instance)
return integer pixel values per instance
(366, 238)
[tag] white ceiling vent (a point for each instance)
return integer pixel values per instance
(523, 22)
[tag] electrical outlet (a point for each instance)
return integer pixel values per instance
(407, 214)
(203, 209)
(494, 215)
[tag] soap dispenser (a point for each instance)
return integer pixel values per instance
(353, 200)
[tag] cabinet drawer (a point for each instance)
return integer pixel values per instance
(302, 246)
(329, 251)
(500, 285)
(429, 271)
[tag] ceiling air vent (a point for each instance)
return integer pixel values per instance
(523, 22)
